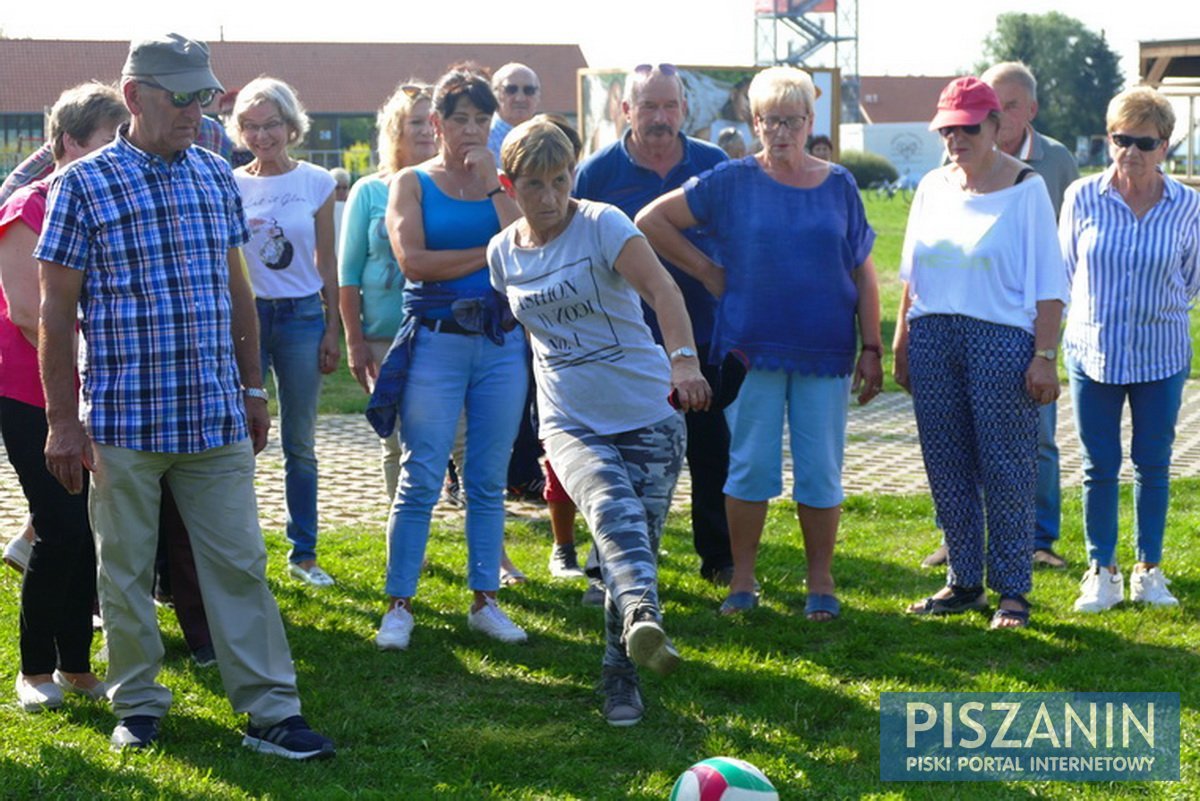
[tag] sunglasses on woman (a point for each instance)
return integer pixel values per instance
(185, 99)
(1143, 143)
(969, 130)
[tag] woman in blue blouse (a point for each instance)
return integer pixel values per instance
(371, 286)
(1129, 237)
(796, 278)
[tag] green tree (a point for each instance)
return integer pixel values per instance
(1076, 70)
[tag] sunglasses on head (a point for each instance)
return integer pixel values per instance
(666, 69)
(1143, 143)
(416, 90)
(969, 130)
(529, 89)
(185, 99)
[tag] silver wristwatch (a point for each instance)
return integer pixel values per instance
(682, 353)
(255, 392)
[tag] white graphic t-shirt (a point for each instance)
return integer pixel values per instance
(281, 214)
(596, 364)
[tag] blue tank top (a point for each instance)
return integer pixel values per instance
(452, 224)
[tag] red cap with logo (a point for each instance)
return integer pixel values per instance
(964, 101)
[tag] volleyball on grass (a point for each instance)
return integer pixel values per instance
(723, 779)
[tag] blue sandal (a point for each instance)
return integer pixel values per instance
(822, 602)
(738, 602)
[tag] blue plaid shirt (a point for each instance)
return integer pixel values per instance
(152, 239)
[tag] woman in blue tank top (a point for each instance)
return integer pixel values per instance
(440, 217)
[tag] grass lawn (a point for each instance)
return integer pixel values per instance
(460, 717)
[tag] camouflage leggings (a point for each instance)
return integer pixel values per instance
(623, 485)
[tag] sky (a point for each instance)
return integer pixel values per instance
(919, 37)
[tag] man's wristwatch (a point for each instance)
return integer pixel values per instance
(682, 353)
(1049, 354)
(255, 392)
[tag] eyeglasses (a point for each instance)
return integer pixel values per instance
(185, 99)
(251, 127)
(969, 130)
(793, 123)
(666, 69)
(1144, 143)
(416, 90)
(512, 88)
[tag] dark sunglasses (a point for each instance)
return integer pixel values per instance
(969, 130)
(529, 89)
(1144, 143)
(666, 69)
(185, 99)
(416, 90)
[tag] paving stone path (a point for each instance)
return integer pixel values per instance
(882, 455)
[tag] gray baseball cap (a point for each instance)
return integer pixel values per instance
(174, 62)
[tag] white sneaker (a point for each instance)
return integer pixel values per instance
(491, 620)
(37, 698)
(314, 575)
(1150, 587)
(1100, 590)
(17, 553)
(395, 630)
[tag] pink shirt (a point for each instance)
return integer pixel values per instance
(19, 377)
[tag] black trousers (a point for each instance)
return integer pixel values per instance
(60, 582)
(708, 463)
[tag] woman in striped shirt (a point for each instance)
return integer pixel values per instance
(1129, 237)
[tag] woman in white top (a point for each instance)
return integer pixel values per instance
(975, 344)
(289, 209)
(574, 273)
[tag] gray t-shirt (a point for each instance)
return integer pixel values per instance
(596, 364)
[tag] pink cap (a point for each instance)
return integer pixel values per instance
(964, 101)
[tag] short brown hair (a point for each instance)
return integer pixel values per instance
(536, 147)
(1139, 106)
(82, 109)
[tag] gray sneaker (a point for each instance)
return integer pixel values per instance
(622, 701)
(648, 645)
(595, 594)
(564, 563)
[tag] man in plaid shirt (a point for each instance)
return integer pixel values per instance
(144, 239)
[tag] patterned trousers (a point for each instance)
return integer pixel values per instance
(978, 432)
(622, 483)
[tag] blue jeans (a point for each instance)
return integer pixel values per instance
(450, 371)
(290, 332)
(1154, 408)
(1049, 492)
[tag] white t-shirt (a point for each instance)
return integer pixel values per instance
(596, 364)
(281, 214)
(990, 256)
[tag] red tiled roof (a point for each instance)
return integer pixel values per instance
(331, 78)
(900, 98)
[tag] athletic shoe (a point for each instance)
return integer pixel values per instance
(135, 731)
(17, 553)
(648, 645)
(1150, 587)
(313, 576)
(1099, 590)
(452, 495)
(595, 594)
(491, 620)
(564, 563)
(97, 692)
(622, 701)
(204, 656)
(39, 697)
(395, 630)
(290, 738)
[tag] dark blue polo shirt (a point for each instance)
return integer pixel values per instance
(610, 175)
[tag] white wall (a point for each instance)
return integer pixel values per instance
(910, 146)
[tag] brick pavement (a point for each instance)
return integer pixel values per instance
(882, 455)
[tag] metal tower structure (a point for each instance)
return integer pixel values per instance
(813, 33)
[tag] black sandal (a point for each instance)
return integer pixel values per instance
(961, 599)
(1020, 615)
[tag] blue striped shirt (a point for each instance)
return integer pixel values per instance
(1132, 281)
(152, 239)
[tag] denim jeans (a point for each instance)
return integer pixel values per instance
(1154, 408)
(450, 371)
(1049, 491)
(290, 333)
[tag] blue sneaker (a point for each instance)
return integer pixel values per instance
(135, 731)
(290, 738)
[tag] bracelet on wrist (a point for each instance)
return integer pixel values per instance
(495, 192)
(876, 349)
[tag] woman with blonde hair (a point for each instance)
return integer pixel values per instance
(371, 290)
(289, 209)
